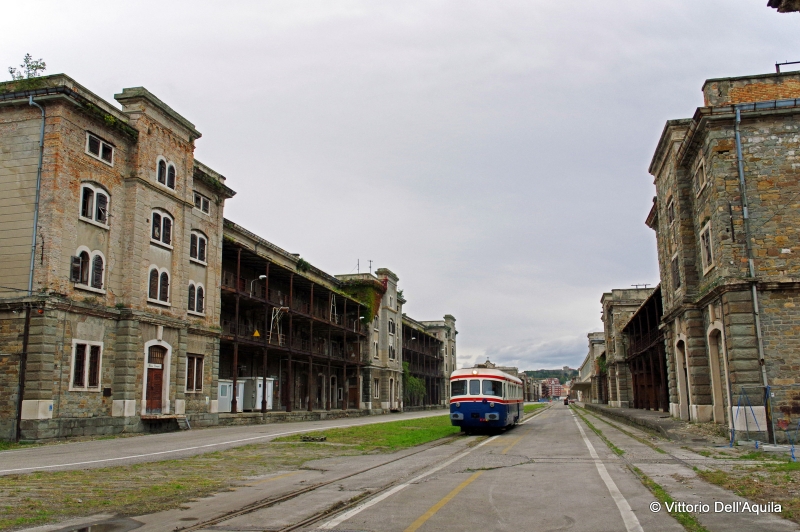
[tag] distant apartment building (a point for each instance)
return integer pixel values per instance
(726, 219)
(551, 387)
(129, 303)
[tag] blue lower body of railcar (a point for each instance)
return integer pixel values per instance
(473, 415)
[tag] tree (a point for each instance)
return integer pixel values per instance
(30, 68)
(413, 388)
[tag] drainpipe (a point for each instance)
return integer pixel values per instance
(751, 265)
(23, 358)
(38, 190)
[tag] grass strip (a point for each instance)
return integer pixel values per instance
(527, 409)
(629, 434)
(50, 496)
(600, 434)
(386, 437)
(686, 519)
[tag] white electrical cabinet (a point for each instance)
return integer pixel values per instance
(254, 392)
(225, 395)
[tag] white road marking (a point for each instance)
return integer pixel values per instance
(157, 453)
(361, 507)
(628, 517)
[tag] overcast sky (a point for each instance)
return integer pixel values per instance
(492, 154)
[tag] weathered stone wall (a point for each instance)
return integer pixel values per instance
(12, 326)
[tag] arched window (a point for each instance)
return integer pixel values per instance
(88, 270)
(197, 246)
(152, 291)
(171, 176)
(84, 273)
(191, 297)
(162, 172)
(87, 201)
(94, 204)
(200, 300)
(161, 228)
(97, 272)
(163, 289)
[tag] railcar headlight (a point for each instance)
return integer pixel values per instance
(491, 405)
(458, 405)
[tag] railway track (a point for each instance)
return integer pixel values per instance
(335, 508)
(272, 501)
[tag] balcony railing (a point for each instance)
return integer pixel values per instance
(643, 342)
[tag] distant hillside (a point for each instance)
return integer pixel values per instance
(563, 376)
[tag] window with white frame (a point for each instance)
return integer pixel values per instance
(197, 303)
(161, 228)
(194, 373)
(375, 323)
(377, 386)
(202, 203)
(165, 173)
(158, 286)
(391, 302)
(99, 149)
(198, 244)
(670, 211)
(706, 248)
(391, 326)
(375, 350)
(392, 352)
(86, 365)
(87, 270)
(94, 204)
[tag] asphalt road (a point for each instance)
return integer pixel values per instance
(550, 473)
(546, 474)
(167, 446)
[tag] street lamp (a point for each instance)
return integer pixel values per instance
(260, 278)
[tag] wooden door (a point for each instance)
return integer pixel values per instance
(155, 379)
(155, 383)
(353, 397)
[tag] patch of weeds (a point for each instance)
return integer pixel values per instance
(629, 434)
(687, 520)
(602, 436)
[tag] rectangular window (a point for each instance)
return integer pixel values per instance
(375, 353)
(706, 251)
(700, 177)
(202, 203)
(194, 373)
(492, 388)
(474, 387)
(86, 365)
(670, 211)
(458, 388)
(377, 385)
(676, 273)
(99, 149)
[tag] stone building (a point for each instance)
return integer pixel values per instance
(429, 350)
(128, 302)
(114, 302)
(618, 307)
(587, 384)
(645, 356)
(726, 219)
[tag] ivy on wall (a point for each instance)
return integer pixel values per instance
(368, 292)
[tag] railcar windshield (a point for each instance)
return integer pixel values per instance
(492, 388)
(458, 388)
(474, 387)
